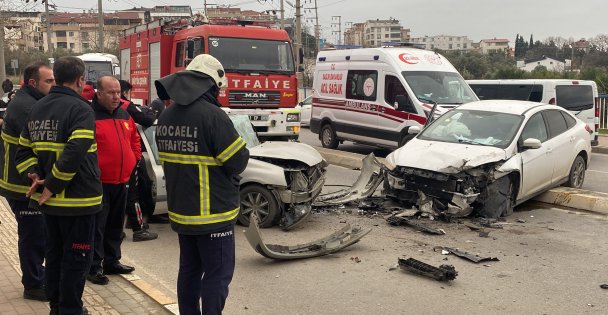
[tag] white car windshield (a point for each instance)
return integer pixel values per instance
(439, 87)
(474, 127)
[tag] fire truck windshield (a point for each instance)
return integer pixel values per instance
(252, 55)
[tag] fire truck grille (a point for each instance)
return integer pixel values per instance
(249, 98)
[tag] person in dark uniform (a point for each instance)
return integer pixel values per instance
(38, 79)
(140, 203)
(202, 155)
(119, 150)
(7, 86)
(57, 151)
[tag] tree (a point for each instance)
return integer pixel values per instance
(531, 41)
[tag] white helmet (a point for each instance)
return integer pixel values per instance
(210, 66)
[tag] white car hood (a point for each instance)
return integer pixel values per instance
(450, 158)
(287, 151)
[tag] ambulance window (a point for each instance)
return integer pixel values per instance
(392, 88)
(361, 85)
(180, 48)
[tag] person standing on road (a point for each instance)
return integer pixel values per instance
(58, 153)
(31, 231)
(7, 85)
(119, 149)
(202, 155)
(138, 210)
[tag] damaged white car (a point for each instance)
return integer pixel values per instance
(279, 184)
(483, 158)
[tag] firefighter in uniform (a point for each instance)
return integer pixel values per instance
(57, 151)
(38, 80)
(202, 155)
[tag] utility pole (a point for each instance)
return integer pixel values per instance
(298, 32)
(205, 6)
(339, 24)
(2, 69)
(49, 45)
(317, 27)
(282, 14)
(100, 22)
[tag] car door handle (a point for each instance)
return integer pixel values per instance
(572, 139)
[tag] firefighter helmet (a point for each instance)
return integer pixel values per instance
(210, 66)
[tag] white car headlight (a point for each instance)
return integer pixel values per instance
(389, 161)
(293, 117)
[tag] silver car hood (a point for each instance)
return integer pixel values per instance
(450, 158)
(287, 151)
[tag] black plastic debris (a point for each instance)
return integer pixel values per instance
(369, 204)
(397, 221)
(441, 273)
(466, 255)
(604, 286)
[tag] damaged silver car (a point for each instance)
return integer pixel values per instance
(486, 157)
(279, 184)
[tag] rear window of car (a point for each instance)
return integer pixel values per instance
(556, 122)
(520, 92)
(574, 97)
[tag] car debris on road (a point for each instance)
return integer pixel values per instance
(337, 241)
(466, 255)
(441, 273)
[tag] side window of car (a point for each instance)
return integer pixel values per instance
(570, 121)
(555, 122)
(535, 128)
(362, 85)
(180, 48)
(392, 88)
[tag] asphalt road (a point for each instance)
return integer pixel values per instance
(553, 263)
(595, 177)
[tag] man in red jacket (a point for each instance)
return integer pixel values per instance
(118, 147)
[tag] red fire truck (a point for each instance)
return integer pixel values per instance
(258, 61)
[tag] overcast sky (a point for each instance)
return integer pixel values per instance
(477, 19)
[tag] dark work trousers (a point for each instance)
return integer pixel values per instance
(108, 226)
(206, 266)
(32, 238)
(69, 254)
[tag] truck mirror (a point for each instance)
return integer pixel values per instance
(117, 71)
(404, 104)
(301, 52)
(190, 50)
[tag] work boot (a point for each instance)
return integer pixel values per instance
(98, 278)
(117, 268)
(37, 294)
(144, 235)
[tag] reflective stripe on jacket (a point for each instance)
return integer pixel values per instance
(58, 144)
(202, 155)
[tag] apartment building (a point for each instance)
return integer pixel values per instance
(489, 46)
(381, 31)
(79, 31)
(22, 30)
(445, 42)
(355, 35)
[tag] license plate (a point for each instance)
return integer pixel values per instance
(258, 117)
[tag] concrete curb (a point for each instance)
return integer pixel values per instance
(153, 293)
(600, 149)
(561, 196)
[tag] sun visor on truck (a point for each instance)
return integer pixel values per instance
(183, 87)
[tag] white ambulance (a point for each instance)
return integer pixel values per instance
(373, 95)
(580, 97)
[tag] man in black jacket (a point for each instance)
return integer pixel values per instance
(202, 155)
(57, 151)
(38, 79)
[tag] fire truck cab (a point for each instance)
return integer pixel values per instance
(258, 61)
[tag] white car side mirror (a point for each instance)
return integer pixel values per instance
(532, 143)
(413, 130)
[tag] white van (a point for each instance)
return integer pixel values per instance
(580, 97)
(373, 95)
